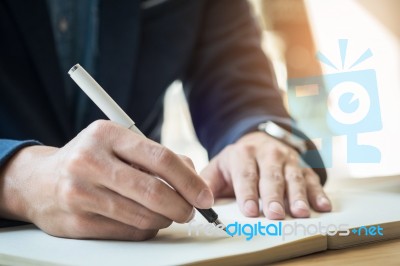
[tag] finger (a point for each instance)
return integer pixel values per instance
(214, 178)
(245, 180)
(272, 184)
(316, 195)
(119, 208)
(187, 161)
(296, 188)
(148, 191)
(162, 162)
(99, 227)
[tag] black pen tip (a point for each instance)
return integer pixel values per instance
(219, 224)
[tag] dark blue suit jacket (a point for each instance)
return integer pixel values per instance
(213, 46)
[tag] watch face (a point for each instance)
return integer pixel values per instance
(283, 135)
(275, 130)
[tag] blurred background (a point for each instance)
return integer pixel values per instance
(352, 36)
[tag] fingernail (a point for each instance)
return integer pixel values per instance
(205, 199)
(251, 208)
(276, 208)
(191, 215)
(299, 204)
(323, 202)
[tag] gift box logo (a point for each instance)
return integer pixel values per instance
(346, 103)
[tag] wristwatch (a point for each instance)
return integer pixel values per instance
(283, 135)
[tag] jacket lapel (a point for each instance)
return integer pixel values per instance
(118, 44)
(34, 22)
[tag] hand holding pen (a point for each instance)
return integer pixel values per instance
(116, 114)
(98, 186)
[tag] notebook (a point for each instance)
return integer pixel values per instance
(373, 213)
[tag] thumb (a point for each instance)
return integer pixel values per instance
(214, 178)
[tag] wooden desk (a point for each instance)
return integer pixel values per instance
(382, 253)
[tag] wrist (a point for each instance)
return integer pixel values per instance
(16, 180)
(281, 134)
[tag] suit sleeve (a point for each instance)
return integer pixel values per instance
(230, 84)
(7, 149)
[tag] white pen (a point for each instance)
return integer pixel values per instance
(98, 95)
(112, 110)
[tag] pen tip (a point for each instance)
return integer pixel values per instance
(223, 227)
(219, 224)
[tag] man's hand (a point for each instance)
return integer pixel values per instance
(101, 185)
(259, 166)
